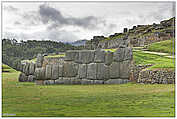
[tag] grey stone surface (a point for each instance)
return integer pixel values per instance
(48, 72)
(87, 82)
(119, 55)
(70, 69)
(99, 56)
(31, 68)
(22, 77)
(59, 81)
(49, 82)
(39, 61)
(82, 72)
(116, 81)
(108, 58)
(98, 82)
(85, 56)
(40, 73)
(71, 55)
(66, 80)
(102, 71)
(128, 54)
(91, 71)
(23, 68)
(27, 68)
(55, 71)
(75, 80)
(31, 78)
(60, 68)
(125, 69)
(115, 70)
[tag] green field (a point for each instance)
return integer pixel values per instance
(167, 46)
(28, 99)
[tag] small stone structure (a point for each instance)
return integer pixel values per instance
(80, 67)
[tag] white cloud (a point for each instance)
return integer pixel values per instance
(68, 22)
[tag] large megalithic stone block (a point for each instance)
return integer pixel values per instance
(91, 71)
(82, 72)
(71, 55)
(60, 70)
(85, 56)
(128, 54)
(40, 73)
(70, 69)
(48, 72)
(31, 68)
(119, 55)
(122, 54)
(102, 71)
(22, 77)
(55, 71)
(21, 67)
(125, 69)
(87, 82)
(108, 58)
(115, 70)
(99, 56)
(27, 68)
(24, 68)
(31, 78)
(40, 59)
(116, 81)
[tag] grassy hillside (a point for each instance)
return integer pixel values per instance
(28, 99)
(6, 68)
(167, 46)
(159, 61)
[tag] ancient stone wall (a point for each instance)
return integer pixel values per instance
(156, 77)
(80, 67)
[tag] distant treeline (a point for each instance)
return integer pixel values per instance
(13, 51)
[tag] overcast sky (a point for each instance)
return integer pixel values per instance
(71, 21)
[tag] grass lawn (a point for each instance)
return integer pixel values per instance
(166, 46)
(28, 99)
(159, 61)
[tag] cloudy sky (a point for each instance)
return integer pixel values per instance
(71, 21)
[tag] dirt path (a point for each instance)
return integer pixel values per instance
(158, 53)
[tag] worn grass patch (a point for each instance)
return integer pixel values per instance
(167, 46)
(28, 99)
(158, 61)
